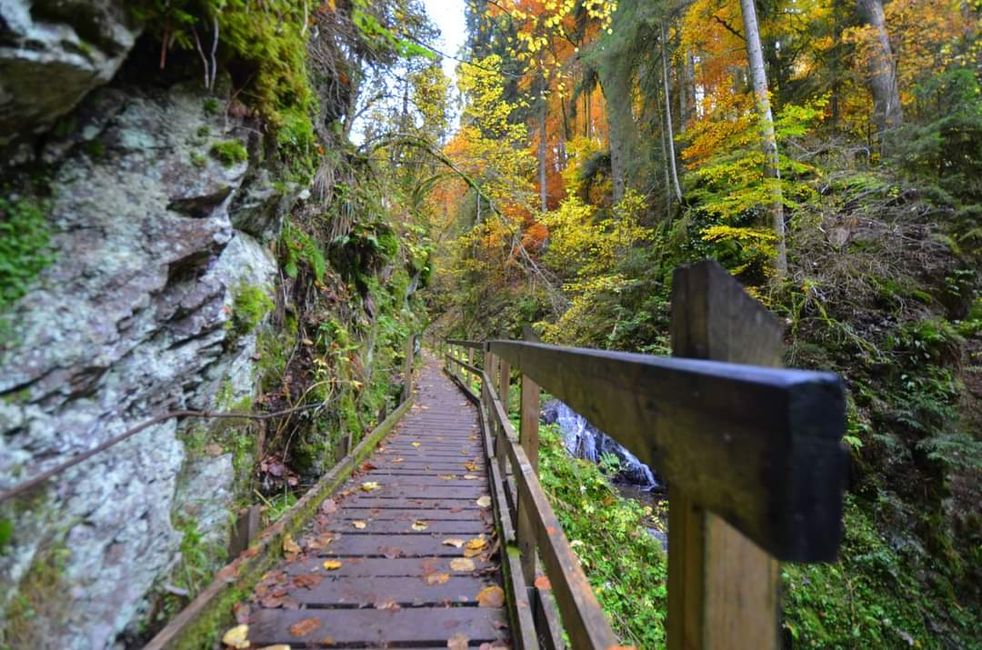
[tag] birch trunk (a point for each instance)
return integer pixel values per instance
(772, 174)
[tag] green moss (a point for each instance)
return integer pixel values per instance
(250, 304)
(229, 152)
(39, 600)
(198, 160)
(211, 106)
(24, 247)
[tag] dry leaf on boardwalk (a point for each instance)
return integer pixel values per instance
(391, 552)
(491, 597)
(437, 578)
(305, 626)
(448, 477)
(462, 564)
(471, 477)
(456, 543)
(484, 502)
(237, 637)
(420, 525)
(470, 467)
(387, 604)
(307, 580)
(542, 582)
(477, 543)
(320, 542)
(360, 525)
(458, 642)
(370, 486)
(290, 547)
(332, 565)
(416, 443)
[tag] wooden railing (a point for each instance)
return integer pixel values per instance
(752, 455)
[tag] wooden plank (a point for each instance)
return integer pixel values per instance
(723, 588)
(353, 512)
(470, 527)
(377, 627)
(583, 618)
(452, 505)
(759, 446)
(383, 567)
(431, 491)
(407, 591)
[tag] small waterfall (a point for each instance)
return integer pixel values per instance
(585, 441)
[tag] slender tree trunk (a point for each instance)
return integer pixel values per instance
(668, 119)
(888, 113)
(543, 149)
(772, 174)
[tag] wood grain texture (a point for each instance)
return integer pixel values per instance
(723, 588)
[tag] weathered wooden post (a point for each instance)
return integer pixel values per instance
(528, 435)
(722, 588)
(407, 368)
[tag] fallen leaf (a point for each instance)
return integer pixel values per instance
(391, 552)
(470, 467)
(458, 642)
(453, 541)
(542, 582)
(290, 546)
(477, 543)
(398, 460)
(416, 443)
(370, 486)
(493, 596)
(332, 565)
(472, 552)
(448, 477)
(420, 525)
(367, 466)
(321, 541)
(360, 525)
(278, 646)
(437, 578)
(329, 507)
(471, 477)
(462, 564)
(305, 626)
(328, 641)
(387, 604)
(237, 637)
(307, 580)
(484, 502)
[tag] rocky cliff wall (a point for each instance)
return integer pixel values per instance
(134, 316)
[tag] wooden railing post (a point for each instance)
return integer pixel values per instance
(529, 438)
(722, 588)
(407, 368)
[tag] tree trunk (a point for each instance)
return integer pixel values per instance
(772, 174)
(668, 119)
(888, 113)
(543, 148)
(623, 132)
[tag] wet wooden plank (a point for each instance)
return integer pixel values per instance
(390, 545)
(453, 505)
(379, 592)
(407, 514)
(452, 527)
(383, 567)
(374, 626)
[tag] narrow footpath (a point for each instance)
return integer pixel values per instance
(404, 555)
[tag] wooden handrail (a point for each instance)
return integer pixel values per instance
(757, 447)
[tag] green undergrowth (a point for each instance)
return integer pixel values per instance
(870, 598)
(626, 566)
(24, 247)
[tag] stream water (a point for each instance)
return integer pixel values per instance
(633, 479)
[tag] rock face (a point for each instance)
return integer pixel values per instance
(53, 52)
(130, 321)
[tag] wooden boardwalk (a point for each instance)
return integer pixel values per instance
(405, 555)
